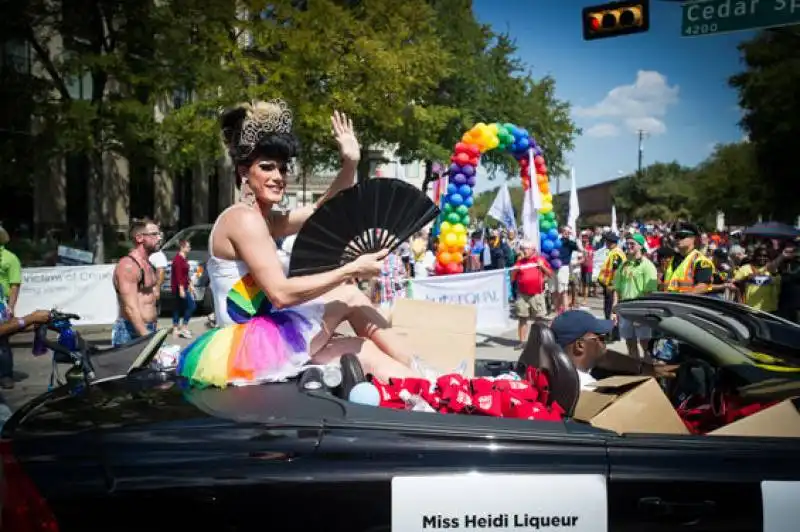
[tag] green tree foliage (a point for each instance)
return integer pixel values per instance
(660, 191)
(484, 81)
(729, 181)
(768, 93)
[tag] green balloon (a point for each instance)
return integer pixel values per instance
(453, 218)
(465, 220)
(448, 208)
(545, 225)
(462, 210)
(551, 216)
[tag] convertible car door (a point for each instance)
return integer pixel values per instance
(358, 462)
(703, 484)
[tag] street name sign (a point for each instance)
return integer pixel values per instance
(709, 17)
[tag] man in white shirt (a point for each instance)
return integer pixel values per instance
(582, 336)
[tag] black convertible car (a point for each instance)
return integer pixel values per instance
(140, 452)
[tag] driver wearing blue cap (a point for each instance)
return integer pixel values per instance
(582, 336)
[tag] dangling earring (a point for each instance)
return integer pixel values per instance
(246, 194)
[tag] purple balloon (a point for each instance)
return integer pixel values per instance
(555, 263)
(468, 170)
(471, 180)
(538, 151)
(459, 179)
(555, 254)
(454, 169)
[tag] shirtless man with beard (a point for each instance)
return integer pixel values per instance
(136, 283)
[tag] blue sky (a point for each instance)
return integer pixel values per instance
(672, 86)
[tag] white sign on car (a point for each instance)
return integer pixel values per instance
(474, 501)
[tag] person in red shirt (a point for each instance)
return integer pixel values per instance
(183, 290)
(530, 272)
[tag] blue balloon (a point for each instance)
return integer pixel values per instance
(555, 254)
(465, 190)
(547, 246)
(468, 201)
(524, 132)
(557, 244)
(451, 189)
(468, 170)
(455, 199)
(458, 179)
(552, 234)
(514, 130)
(523, 143)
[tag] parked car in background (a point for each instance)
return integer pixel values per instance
(197, 235)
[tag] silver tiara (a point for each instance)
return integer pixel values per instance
(263, 118)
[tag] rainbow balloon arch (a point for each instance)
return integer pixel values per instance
(461, 181)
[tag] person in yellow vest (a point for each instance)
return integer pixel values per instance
(605, 278)
(689, 271)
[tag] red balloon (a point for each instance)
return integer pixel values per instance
(474, 161)
(439, 268)
(541, 169)
(473, 150)
(538, 160)
(461, 159)
(462, 148)
(523, 162)
(453, 268)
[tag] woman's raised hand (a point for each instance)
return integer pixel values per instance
(345, 136)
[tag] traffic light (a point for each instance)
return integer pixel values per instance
(615, 19)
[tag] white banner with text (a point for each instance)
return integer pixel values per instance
(87, 291)
(487, 290)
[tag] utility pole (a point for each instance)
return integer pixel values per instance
(642, 134)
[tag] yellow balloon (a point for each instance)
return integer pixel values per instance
(446, 227)
(451, 239)
(462, 240)
(459, 229)
(547, 198)
(494, 129)
(493, 141)
(546, 209)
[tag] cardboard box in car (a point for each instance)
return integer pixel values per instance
(778, 421)
(443, 335)
(629, 404)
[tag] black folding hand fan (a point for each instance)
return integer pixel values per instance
(372, 215)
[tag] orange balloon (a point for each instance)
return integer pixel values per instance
(544, 189)
(444, 257)
(541, 178)
(458, 258)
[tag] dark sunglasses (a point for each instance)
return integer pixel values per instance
(681, 235)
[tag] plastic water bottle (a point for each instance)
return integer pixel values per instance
(39, 345)
(667, 352)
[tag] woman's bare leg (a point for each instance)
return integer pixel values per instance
(372, 359)
(348, 303)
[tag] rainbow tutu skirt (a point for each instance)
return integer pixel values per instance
(263, 345)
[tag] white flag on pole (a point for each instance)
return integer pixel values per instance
(574, 208)
(502, 210)
(614, 228)
(531, 203)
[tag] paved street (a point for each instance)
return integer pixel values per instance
(33, 373)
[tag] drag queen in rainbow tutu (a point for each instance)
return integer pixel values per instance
(270, 326)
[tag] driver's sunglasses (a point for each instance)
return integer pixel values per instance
(681, 235)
